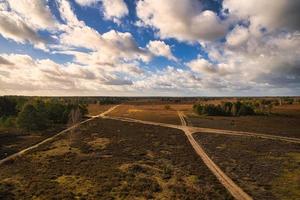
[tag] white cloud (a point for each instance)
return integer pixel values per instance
(86, 2)
(238, 36)
(201, 65)
(204, 67)
(22, 72)
(20, 20)
(13, 27)
(112, 46)
(112, 9)
(35, 12)
(181, 19)
(160, 48)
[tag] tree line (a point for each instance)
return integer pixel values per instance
(239, 108)
(32, 114)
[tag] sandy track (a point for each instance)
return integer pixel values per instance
(233, 188)
(246, 134)
(13, 156)
(208, 130)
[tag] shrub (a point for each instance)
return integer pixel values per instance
(167, 107)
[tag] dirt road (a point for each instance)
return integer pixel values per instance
(233, 188)
(13, 156)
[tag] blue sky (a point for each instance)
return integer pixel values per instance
(149, 47)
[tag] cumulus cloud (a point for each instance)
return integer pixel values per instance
(13, 27)
(3, 61)
(35, 12)
(258, 53)
(205, 67)
(238, 36)
(111, 46)
(160, 48)
(112, 9)
(21, 21)
(201, 66)
(183, 20)
(276, 14)
(37, 74)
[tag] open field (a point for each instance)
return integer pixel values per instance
(151, 112)
(95, 109)
(150, 157)
(13, 140)
(265, 169)
(285, 121)
(107, 159)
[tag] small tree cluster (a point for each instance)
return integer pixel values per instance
(38, 115)
(225, 109)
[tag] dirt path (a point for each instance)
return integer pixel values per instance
(233, 188)
(13, 156)
(208, 130)
(181, 117)
(246, 134)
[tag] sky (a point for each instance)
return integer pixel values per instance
(150, 47)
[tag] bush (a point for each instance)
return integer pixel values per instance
(167, 107)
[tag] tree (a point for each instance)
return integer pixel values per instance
(7, 107)
(74, 118)
(245, 110)
(31, 118)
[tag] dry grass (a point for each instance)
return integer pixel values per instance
(99, 143)
(154, 113)
(78, 185)
(96, 109)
